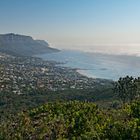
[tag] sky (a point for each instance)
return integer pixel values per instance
(99, 25)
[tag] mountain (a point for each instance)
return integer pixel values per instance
(22, 45)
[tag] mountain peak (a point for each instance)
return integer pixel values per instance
(23, 45)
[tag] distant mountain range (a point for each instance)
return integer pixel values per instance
(22, 45)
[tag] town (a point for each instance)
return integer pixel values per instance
(21, 75)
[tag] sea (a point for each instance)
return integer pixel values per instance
(97, 65)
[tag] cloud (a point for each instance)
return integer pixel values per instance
(117, 49)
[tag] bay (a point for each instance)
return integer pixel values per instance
(97, 65)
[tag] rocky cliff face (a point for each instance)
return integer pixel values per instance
(23, 45)
(11, 38)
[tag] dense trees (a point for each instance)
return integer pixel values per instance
(65, 118)
(74, 120)
(12, 103)
(128, 88)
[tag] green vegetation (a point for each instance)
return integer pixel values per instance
(74, 120)
(71, 114)
(128, 88)
(12, 103)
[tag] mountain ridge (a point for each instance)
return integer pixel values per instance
(22, 45)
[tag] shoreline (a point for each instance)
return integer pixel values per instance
(84, 73)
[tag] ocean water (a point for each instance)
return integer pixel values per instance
(97, 65)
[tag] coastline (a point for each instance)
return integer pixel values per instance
(95, 65)
(85, 73)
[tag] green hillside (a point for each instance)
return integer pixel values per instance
(74, 120)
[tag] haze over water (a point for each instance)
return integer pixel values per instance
(98, 65)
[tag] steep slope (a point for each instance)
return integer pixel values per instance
(23, 45)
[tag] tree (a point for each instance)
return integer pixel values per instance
(127, 88)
